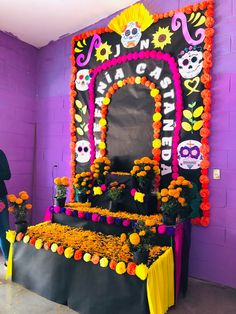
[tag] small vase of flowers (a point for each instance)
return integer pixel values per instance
(115, 191)
(100, 168)
(19, 206)
(82, 185)
(61, 185)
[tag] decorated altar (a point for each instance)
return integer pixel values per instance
(140, 112)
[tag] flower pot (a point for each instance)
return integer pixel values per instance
(81, 198)
(60, 201)
(21, 226)
(140, 257)
(169, 220)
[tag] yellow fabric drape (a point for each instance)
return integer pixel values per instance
(10, 236)
(160, 283)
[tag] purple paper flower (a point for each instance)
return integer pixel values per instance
(118, 221)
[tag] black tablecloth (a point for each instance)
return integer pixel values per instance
(84, 287)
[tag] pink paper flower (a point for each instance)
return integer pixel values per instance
(133, 191)
(95, 217)
(68, 212)
(2, 206)
(110, 220)
(162, 229)
(81, 215)
(126, 222)
(103, 187)
(57, 209)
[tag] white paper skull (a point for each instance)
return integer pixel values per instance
(190, 62)
(82, 151)
(189, 155)
(82, 80)
(131, 35)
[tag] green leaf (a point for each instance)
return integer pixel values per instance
(187, 114)
(197, 125)
(193, 104)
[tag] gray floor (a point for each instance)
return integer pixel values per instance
(202, 298)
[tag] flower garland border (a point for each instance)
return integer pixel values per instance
(206, 95)
(148, 54)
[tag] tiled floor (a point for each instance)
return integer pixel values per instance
(202, 298)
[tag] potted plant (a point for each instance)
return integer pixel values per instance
(82, 185)
(61, 185)
(115, 191)
(100, 168)
(144, 172)
(176, 199)
(140, 240)
(19, 206)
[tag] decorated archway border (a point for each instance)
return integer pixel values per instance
(208, 6)
(149, 54)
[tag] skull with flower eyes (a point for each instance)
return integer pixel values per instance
(131, 35)
(82, 151)
(190, 61)
(82, 80)
(189, 155)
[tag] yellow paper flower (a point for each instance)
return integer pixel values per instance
(156, 143)
(102, 145)
(69, 252)
(157, 116)
(54, 247)
(120, 83)
(120, 268)
(106, 101)
(138, 196)
(97, 190)
(26, 239)
(162, 37)
(103, 52)
(103, 262)
(154, 92)
(141, 271)
(87, 257)
(102, 122)
(38, 244)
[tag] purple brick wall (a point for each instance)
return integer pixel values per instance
(17, 109)
(213, 254)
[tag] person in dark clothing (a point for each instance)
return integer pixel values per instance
(5, 174)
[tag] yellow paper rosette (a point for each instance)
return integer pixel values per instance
(69, 252)
(120, 268)
(54, 247)
(141, 271)
(87, 257)
(103, 262)
(26, 239)
(38, 244)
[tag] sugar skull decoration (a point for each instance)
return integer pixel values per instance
(131, 23)
(82, 80)
(131, 35)
(190, 61)
(189, 155)
(82, 151)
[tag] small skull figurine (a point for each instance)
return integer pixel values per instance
(82, 80)
(131, 35)
(189, 155)
(82, 151)
(190, 62)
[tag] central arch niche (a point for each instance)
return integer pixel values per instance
(129, 128)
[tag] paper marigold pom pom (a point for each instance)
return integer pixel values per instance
(32, 241)
(87, 257)
(112, 265)
(154, 92)
(157, 116)
(38, 244)
(60, 250)
(141, 271)
(69, 252)
(120, 83)
(26, 239)
(134, 238)
(156, 143)
(131, 268)
(103, 262)
(162, 229)
(47, 246)
(138, 80)
(54, 247)
(78, 255)
(19, 236)
(102, 145)
(102, 122)
(120, 268)
(95, 259)
(106, 101)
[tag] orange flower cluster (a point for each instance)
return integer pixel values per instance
(61, 181)
(83, 182)
(100, 168)
(143, 166)
(149, 220)
(105, 250)
(18, 205)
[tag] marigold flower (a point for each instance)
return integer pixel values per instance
(11, 209)
(134, 238)
(57, 181)
(164, 192)
(121, 268)
(125, 248)
(165, 199)
(131, 268)
(24, 196)
(95, 259)
(123, 237)
(19, 201)
(60, 250)
(28, 206)
(69, 252)
(112, 265)
(150, 222)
